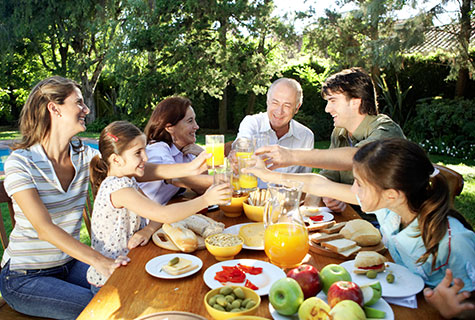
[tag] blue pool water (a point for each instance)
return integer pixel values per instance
(5, 152)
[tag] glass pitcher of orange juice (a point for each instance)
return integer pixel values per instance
(285, 236)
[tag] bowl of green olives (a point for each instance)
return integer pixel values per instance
(231, 301)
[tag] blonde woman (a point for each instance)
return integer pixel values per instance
(44, 266)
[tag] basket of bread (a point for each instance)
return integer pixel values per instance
(188, 234)
(345, 239)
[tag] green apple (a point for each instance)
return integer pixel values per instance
(332, 273)
(314, 309)
(371, 292)
(347, 310)
(286, 296)
(374, 313)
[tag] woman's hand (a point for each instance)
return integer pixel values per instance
(447, 299)
(193, 149)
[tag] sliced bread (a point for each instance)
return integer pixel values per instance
(321, 237)
(335, 228)
(339, 245)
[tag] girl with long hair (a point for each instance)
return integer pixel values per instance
(395, 180)
(120, 207)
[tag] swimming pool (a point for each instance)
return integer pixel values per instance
(4, 153)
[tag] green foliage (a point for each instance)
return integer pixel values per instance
(445, 127)
(395, 102)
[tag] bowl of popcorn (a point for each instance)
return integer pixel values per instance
(224, 246)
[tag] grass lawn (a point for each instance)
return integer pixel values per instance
(465, 203)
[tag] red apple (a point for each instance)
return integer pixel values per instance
(344, 290)
(308, 278)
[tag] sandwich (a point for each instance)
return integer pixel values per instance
(182, 266)
(344, 247)
(361, 231)
(369, 260)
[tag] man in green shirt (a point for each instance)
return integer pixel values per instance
(353, 106)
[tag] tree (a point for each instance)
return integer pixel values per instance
(370, 36)
(70, 38)
(201, 47)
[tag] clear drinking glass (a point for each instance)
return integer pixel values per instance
(244, 147)
(260, 140)
(247, 181)
(215, 146)
(224, 175)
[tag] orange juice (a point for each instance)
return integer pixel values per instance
(247, 181)
(286, 244)
(218, 155)
(241, 154)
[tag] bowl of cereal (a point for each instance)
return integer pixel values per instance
(224, 246)
(231, 301)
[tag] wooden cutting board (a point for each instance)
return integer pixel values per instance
(318, 249)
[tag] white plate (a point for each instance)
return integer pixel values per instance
(270, 274)
(327, 216)
(235, 230)
(313, 211)
(380, 305)
(154, 266)
(405, 284)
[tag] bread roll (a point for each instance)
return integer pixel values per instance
(161, 239)
(362, 232)
(183, 238)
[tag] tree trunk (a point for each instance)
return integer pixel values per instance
(251, 102)
(222, 112)
(464, 39)
(88, 95)
(375, 74)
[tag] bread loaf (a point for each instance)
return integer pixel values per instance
(362, 232)
(183, 238)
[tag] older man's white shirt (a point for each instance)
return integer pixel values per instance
(298, 137)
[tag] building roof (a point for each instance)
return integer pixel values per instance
(442, 38)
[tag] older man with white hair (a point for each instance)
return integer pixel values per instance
(284, 99)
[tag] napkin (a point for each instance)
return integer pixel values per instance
(409, 301)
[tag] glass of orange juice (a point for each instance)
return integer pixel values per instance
(285, 237)
(247, 181)
(215, 146)
(244, 147)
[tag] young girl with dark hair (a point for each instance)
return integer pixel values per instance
(120, 207)
(395, 180)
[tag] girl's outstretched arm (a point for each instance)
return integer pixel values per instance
(155, 171)
(35, 211)
(312, 183)
(135, 201)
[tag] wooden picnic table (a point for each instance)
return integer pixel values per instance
(131, 292)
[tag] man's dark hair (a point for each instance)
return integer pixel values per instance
(353, 83)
